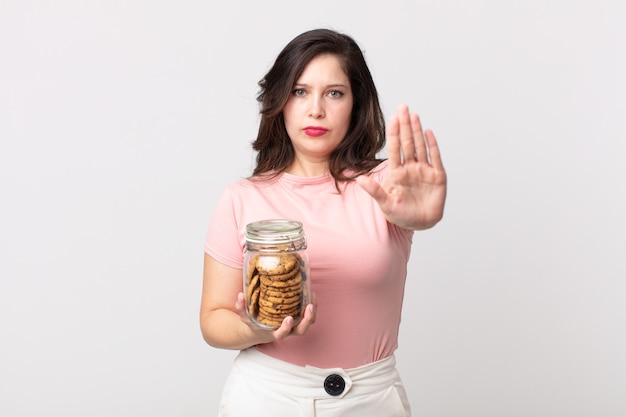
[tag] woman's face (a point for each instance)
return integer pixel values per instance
(318, 111)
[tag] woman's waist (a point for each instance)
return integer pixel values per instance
(311, 380)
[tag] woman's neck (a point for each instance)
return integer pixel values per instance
(308, 168)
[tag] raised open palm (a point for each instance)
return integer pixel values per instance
(413, 193)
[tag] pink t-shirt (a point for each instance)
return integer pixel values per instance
(358, 263)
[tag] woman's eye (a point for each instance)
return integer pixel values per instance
(298, 92)
(335, 93)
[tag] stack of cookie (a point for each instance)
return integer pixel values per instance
(274, 288)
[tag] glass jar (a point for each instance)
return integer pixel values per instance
(275, 272)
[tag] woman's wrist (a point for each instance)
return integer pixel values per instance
(254, 336)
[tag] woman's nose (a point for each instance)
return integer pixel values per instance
(316, 110)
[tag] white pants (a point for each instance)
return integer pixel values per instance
(262, 386)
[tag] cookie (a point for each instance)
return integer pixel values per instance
(269, 282)
(280, 299)
(253, 305)
(276, 292)
(252, 285)
(266, 311)
(270, 322)
(276, 264)
(284, 277)
(278, 316)
(251, 269)
(276, 308)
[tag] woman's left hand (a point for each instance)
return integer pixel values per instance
(413, 193)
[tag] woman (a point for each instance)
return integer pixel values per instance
(320, 131)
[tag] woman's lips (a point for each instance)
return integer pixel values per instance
(314, 131)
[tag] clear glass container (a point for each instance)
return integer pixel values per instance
(275, 272)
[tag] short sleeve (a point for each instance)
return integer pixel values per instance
(224, 238)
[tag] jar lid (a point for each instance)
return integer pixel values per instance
(274, 231)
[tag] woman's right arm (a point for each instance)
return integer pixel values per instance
(223, 320)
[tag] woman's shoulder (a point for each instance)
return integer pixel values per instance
(252, 182)
(380, 166)
(380, 170)
(383, 164)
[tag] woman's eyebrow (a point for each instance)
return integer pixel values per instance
(327, 86)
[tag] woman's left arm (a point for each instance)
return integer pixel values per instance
(413, 193)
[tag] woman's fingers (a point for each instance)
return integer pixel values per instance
(393, 143)
(286, 328)
(405, 138)
(421, 152)
(433, 150)
(240, 305)
(307, 320)
(372, 188)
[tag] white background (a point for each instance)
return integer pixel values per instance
(122, 121)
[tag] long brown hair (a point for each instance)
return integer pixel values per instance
(356, 154)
